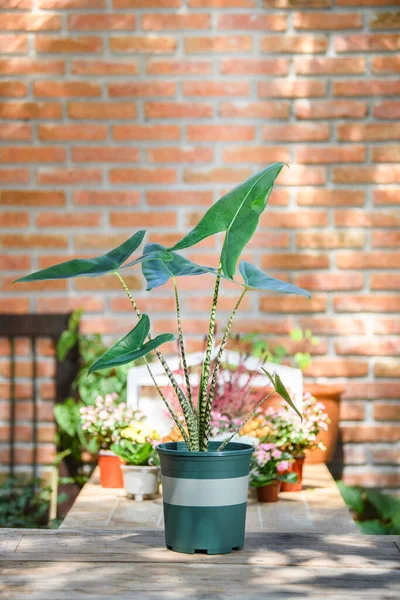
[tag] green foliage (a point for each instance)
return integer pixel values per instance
(262, 480)
(26, 504)
(134, 453)
(280, 389)
(353, 496)
(255, 279)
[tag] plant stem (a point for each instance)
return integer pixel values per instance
(202, 402)
(225, 442)
(182, 347)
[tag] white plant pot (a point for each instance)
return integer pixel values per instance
(141, 481)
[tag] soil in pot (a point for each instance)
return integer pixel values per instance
(140, 481)
(110, 470)
(205, 497)
(269, 493)
(296, 467)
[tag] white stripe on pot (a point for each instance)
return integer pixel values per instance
(205, 492)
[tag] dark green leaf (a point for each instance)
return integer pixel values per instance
(385, 505)
(353, 496)
(237, 213)
(257, 280)
(374, 527)
(91, 267)
(131, 347)
(290, 477)
(281, 390)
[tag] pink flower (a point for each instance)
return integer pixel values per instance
(283, 466)
(268, 446)
(276, 453)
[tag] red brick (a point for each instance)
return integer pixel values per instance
(16, 132)
(387, 412)
(371, 391)
(296, 132)
(142, 88)
(369, 131)
(330, 282)
(330, 239)
(34, 241)
(177, 67)
(61, 89)
(386, 326)
(387, 110)
(16, 306)
(315, 197)
(386, 196)
(31, 198)
(14, 176)
(364, 2)
(221, 3)
(71, 4)
(329, 66)
(389, 153)
(366, 303)
(296, 4)
(376, 174)
(368, 260)
(101, 110)
(387, 368)
(30, 22)
(143, 44)
(294, 220)
(385, 281)
(330, 109)
(216, 88)
(177, 110)
(223, 133)
(249, 22)
(140, 4)
(113, 198)
(34, 286)
(13, 44)
(84, 154)
(178, 197)
(80, 219)
(256, 154)
(385, 239)
(180, 22)
(336, 367)
(14, 89)
(352, 411)
(232, 43)
(385, 64)
(281, 88)
(108, 282)
(180, 154)
(31, 66)
(367, 42)
(103, 67)
(368, 347)
(100, 22)
(320, 20)
(370, 433)
(255, 110)
(300, 175)
(146, 132)
(370, 478)
(333, 325)
(360, 218)
(262, 240)
(385, 455)
(142, 175)
(330, 154)
(217, 175)
(254, 66)
(143, 219)
(19, 262)
(68, 176)
(55, 305)
(68, 45)
(385, 21)
(16, 4)
(30, 110)
(68, 131)
(292, 304)
(367, 87)
(294, 44)
(14, 219)
(30, 154)
(295, 261)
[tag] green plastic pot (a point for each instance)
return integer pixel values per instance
(205, 497)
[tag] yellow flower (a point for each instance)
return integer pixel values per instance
(139, 432)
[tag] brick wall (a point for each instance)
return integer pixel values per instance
(141, 112)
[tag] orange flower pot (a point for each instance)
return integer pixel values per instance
(296, 467)
(110, 470)
(269, 493)
(330, 396)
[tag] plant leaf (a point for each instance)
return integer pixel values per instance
(373, 527)
(131, 347)
(354, 497)
(237, 213)
(256, 279)
(91, 267)
(281, 390)
(66, 342)
(385, 505)
(157, 271)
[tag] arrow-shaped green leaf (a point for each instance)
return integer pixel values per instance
(257, 280)
(131, 347)
(237, 213)
(281, 390)
(91, 267)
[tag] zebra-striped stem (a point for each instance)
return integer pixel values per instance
(182, 346)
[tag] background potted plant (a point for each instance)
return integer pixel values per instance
(139, 459)
(204, 483)
(269, 466)
(103, 422)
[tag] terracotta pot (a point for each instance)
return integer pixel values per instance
(269, 493)
(110, 470)
(330, 396)
(296, 467)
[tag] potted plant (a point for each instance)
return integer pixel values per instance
(139, 460)
(103, 421)
(204, 483)
(269, 468)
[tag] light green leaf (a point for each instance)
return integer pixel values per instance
(91, 267)
(237, 213)
(131, 347)
(281, 390)
(67, 416)
(297, 334)
(256, 279)
(66, 342)
(353, 496)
